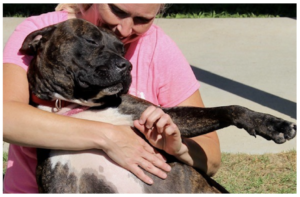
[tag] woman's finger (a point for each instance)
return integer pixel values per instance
(164, 121)
(154, 117)
(146, 114)
(137, 171)
(149, 167)
(151, 164)
(148, 147)
(159, 162)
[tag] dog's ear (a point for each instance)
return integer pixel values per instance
(33, 40)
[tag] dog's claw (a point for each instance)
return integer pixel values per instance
(290, 135)
(280, 130)
(252, 132)
(269, 127)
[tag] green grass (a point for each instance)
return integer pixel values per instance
(5, 156)
(213, 14)
(267, 173)
(229, 10)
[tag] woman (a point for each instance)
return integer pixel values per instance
(157, 64)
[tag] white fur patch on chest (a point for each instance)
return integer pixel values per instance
(98, 163)
(109, 115)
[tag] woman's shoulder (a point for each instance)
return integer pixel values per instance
(156, 31)
(157, 41)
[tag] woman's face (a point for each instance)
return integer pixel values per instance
(127, 21)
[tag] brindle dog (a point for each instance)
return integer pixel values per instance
(78, 62)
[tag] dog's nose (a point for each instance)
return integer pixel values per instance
(123, 64)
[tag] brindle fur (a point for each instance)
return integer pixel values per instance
(78, 60)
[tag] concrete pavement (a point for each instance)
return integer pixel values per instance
(249, 62)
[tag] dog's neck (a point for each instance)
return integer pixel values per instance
(73, 109)
(59, 106)
(55, 104)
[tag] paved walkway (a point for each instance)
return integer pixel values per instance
(249, 62)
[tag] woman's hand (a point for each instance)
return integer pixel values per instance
(133, 153)
(160, 131)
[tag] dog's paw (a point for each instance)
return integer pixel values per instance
(272, 128)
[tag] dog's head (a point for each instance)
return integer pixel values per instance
(76, 61)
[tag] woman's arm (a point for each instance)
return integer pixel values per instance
(28, 126)
(202, 152)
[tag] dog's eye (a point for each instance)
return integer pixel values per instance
(90, 41)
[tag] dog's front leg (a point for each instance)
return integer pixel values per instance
(193, 121)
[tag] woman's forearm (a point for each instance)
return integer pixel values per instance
(205, 157)
(27, 126)
(202, 152)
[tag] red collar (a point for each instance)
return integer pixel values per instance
(74, 108)
(39, 101)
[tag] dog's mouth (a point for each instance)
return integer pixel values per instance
(91, 95)
(98, 100)
(109, 91)
(112, 90)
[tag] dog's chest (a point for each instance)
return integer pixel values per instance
(94, 164)
(108, 115)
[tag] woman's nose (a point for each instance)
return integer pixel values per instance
(125, 27)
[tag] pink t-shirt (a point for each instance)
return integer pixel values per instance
(160, 75)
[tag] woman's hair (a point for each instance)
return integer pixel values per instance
(73, 8)
(81, 8)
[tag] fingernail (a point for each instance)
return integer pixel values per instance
(150, 181)
(169, 168)
(141, 121)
